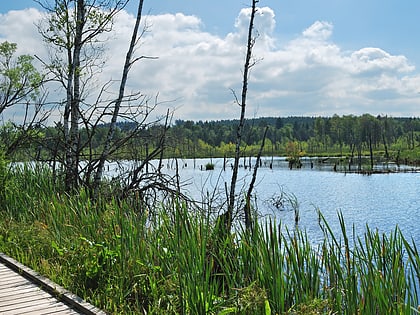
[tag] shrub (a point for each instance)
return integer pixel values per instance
(209, 166)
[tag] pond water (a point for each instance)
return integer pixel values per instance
(381, 201)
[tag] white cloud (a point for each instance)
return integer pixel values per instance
(309, 75)
(20, 27)
(264, 24)
(319, 31)
(375, 59)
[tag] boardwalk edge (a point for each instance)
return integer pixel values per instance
(76, 302)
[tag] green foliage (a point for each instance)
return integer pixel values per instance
(3, 177)
(17, 141)
(19, 79)
(209, 166)
(320, 136)
(392, 139)
(178, 261)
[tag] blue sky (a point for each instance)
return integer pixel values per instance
(315, 57)
(391, 25)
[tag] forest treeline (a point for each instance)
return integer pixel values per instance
(391, 138)
(394, 138)
(301, 135)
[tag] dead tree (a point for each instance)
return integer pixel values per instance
(242, 104)
(129, 61)
(72, 31)
(247, 209)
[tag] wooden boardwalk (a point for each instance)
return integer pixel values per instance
(23, 291)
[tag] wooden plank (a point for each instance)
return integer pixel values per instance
(21, 304)
(11, 282)
(21, 299)
(44, 307)
(30, 299)
(27, 287)
(20, 293)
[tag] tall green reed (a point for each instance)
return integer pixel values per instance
(372, 275)
(178, 261)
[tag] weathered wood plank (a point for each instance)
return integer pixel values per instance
(12, 278)
(21, 299)
(27, 287)
(21, 293)
(45, 307)
(22, 304)
(11, 282)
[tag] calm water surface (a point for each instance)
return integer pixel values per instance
(381, 201)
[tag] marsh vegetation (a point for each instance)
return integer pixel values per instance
(128, 259)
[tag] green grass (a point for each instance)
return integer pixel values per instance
(177, 261)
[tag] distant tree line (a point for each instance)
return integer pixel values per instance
(342, 135)
(338, 135)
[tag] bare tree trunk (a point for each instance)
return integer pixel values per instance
(242, 104)
(73, 98)
(71, 28)
(162, 143)
(371, 152)
(385, 147)
(359, 157)
(247, 211)
(127, 65)
(67, 109)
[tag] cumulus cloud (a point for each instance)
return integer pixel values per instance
(264, 25)
(375, 59)
(319, 31)
(309, 75)
(21, 27)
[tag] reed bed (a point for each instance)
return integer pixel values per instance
(173, 260)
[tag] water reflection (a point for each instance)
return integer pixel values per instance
(381, 201)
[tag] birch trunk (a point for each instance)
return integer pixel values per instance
(73, 98)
